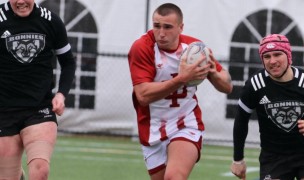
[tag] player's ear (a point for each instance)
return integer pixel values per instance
(181, 27)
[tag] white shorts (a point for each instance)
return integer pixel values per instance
(156, 156)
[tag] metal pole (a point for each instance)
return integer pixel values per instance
(147, 15)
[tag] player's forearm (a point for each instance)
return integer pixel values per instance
(149, 92)
(221, 81)
(240, 131)
(68, 66)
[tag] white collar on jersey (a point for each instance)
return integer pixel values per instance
(296, 72)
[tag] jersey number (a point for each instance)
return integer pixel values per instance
(175, 95)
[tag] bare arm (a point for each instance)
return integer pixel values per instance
(152, 91)
(220, 80)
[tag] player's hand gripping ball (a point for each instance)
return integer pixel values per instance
(195, 51)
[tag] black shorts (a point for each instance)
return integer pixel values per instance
(13, 120)
(281, 166)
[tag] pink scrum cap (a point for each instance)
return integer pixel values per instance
(275, 42)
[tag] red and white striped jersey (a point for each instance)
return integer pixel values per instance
(180, 109)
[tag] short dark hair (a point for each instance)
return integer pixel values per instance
(169, 8)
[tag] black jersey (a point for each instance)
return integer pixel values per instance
(279, 105)
(28, 46)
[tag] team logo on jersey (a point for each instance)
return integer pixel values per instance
(159, 66)
(285, 113)
(25, 47)
(5, 34)
(264, 100)
(46, 112)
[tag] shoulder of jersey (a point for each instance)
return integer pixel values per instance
(188, 39)
(145, 41)
(257, 80)
(299, 74)
(298, 71)
(45, 13)
(4, 9)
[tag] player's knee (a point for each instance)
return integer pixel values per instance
(170, 175)
(39, 150)
(38, 158)
(39, 168)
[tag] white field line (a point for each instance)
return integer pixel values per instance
(134, 151)
(123, 149)
(135, 159)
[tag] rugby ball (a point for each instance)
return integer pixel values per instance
(194, 52)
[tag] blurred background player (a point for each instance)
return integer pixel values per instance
(169, 119)
(277, 94)
(30, 36)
